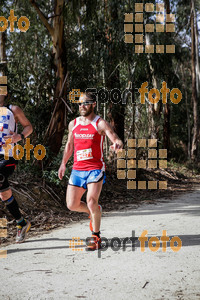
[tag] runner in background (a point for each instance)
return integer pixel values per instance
(9, 117)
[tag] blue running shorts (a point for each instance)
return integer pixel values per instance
(82, 178)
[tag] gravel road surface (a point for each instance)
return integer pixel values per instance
(45, 267)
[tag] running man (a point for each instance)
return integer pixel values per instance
(86, 136)
(9, 117)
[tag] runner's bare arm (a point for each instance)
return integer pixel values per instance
(67, 152)
(105, 127)
(27, 127)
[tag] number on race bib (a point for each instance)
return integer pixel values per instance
(84, 154)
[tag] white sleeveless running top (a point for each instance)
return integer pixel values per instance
(7, 124)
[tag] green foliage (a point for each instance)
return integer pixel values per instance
(89, 27)
(52, 176)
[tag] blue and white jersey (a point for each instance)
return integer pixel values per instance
(7, 124)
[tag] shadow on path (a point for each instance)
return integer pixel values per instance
(187, 240)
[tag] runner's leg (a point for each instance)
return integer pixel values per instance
(12, 205)
(5, 195)
(23, 225)
(7, 167)
(94, 190)
(73, 199)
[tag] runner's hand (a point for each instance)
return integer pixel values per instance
(116, 147)
(61, 171)
(13, 136)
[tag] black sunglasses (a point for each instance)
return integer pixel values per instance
(85, 103)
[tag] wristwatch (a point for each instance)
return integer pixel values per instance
(22, 137)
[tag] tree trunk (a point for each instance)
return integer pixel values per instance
(116, 111)
(153, 109)
(197, 55)
(3, 57)
(187, 112)
(194, 150)
(55, 131)
(167, 108)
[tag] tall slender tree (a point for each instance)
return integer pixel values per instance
(3, 57)
(167, 108)
(112, 80)
(194, 150)
(55, 29)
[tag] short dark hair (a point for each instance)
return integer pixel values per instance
(91, 96)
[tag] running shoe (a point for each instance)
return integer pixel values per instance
(22, 231)
(100, 208)
(93, 244)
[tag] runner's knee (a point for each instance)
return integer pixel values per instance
(72, 206)
(92, 204)
(5, 194)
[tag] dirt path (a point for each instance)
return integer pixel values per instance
(45, 267)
